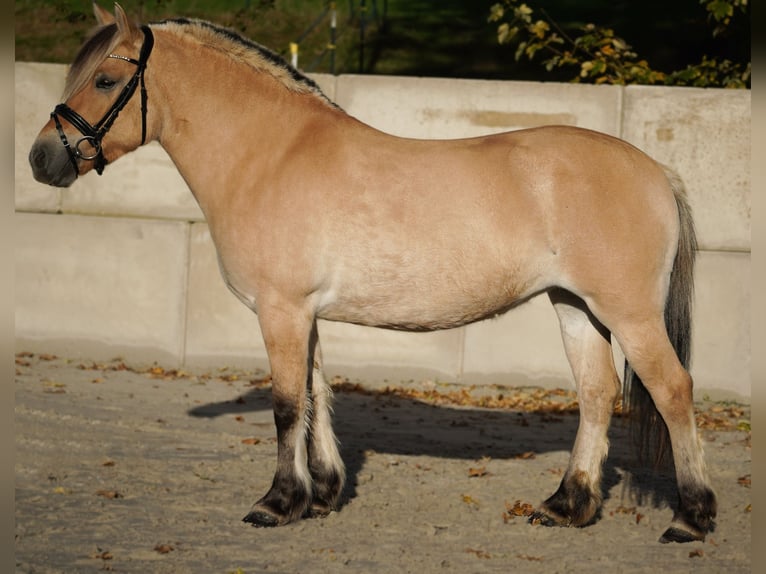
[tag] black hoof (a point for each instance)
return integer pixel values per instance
(674, 534)
(261, 519)
(545, 519)
(573, 504)
(318, 511)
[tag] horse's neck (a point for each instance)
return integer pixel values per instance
(223, 124)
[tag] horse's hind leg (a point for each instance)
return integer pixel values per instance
(588, 348)
(651, 355)
(325, 463)
(286, 332)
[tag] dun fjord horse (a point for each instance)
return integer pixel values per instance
(434, 235)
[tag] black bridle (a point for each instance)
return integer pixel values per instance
(93, 134)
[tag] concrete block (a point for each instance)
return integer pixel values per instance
(99, 287)
(448, 108)
(220, 330)
(704, 134)
(721, 330)
(522, 347)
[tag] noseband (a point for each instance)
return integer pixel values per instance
(93, 134)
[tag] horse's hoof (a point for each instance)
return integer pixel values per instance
(261, 519)
(545, 519)
(674, 534)
(318, 511)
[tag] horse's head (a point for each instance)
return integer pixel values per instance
(101, 83)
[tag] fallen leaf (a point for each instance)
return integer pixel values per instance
(239, 418)
(163, 548)
(108, 463)
(264, 382)
(251, 440)
(103, 555)
(111, 494)
(525, 455)
(696, 553)
(519, 509)
(478, 553)
(744, 481)
(474, 472)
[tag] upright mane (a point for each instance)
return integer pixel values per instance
(246, 51)
(104, 39)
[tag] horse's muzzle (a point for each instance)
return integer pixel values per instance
(51, 164)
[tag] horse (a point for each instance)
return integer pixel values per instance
(435, 234)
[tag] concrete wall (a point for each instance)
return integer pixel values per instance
(123, 264)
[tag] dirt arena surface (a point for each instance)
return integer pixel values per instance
(148, 470)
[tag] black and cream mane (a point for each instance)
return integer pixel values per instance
(105, 39)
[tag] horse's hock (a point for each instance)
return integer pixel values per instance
(124, 265)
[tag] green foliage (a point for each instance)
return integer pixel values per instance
(598, 55)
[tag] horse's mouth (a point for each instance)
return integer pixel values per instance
(51, 168)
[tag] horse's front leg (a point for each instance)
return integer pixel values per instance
(286, 331)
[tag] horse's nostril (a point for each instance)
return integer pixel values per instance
(38, 158)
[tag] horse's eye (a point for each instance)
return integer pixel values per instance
(105, 83)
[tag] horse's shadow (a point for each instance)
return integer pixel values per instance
(396, 425)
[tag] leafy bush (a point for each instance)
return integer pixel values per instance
(598, 55)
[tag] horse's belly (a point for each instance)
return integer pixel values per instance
(416, 303)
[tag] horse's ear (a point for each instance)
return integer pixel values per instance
(125, 27)
(103, 17)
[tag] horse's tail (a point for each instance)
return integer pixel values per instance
(647, 427)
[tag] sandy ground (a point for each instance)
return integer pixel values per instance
(150, 471)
